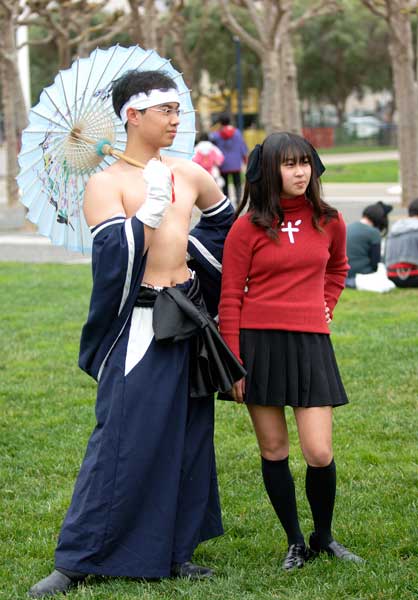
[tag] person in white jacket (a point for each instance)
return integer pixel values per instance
(401, 254)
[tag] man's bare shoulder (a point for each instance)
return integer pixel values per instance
(186, 167)
(102, 196)
(107, 176)
(206, 190)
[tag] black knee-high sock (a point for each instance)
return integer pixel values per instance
(280, 488)
(320, 490)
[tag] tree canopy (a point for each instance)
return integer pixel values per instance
(341, 54)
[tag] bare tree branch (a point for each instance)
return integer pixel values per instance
(372, 6)
(325, 7)
(255, 15)
(251, 41)
(275, 25)
(8, 6)
(33, 42)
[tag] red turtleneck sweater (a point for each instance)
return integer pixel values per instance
(281, 284)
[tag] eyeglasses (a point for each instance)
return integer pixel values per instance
(168, 112)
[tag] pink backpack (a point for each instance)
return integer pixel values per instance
(208, 160)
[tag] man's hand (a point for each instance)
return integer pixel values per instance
(159, 183)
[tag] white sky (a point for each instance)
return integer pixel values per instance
(117, 4)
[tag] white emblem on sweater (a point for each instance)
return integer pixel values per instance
(290, 229)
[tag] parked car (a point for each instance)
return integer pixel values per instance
(363, 127)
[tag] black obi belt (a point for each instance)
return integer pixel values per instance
(179, 314)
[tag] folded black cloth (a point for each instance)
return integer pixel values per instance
(146, 297)
(180, 315)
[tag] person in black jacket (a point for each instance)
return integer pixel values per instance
(364, 240)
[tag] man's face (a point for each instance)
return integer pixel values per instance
(158, 124)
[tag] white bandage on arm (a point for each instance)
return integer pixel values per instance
(159, 183)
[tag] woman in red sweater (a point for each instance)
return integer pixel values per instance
(284, 267)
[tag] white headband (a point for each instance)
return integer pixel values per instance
(142, 100)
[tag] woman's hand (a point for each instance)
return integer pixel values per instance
(328, 317)
(238, 391)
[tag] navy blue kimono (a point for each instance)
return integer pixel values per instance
(146, 494)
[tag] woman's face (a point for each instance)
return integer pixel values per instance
(296, 175)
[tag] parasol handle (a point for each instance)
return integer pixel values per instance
(103, 147)
(107, 149)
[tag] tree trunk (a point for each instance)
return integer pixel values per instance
(8, 48)
(135, 24)
(340, 108)
(151, 25)
(405, 86)
(11, 137)
(271, 109)
(289, 84)
(144, 24)
(64, 52)
(272, 41)
(20, 103)
(182, 61)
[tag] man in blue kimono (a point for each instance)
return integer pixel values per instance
(147, 493)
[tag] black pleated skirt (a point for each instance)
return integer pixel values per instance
(290, 368)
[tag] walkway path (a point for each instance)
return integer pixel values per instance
(359, 157)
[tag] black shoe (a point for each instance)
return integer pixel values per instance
(55, 583)
(334, 549)
(296, 557)
(190, 570)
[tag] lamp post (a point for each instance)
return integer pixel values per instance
(239, 82)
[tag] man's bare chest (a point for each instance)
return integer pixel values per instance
(133, 194)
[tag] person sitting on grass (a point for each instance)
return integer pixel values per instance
(401, 253)
(364, 240)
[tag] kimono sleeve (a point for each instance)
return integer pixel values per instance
(205, 246)
(117, 263)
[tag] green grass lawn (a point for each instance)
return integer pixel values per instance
(47, 408)
(386, 171)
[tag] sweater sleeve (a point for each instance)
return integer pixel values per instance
(235, 270)
(337, 266)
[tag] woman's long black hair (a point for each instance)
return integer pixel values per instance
(263, 191)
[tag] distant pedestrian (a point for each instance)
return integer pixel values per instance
(401, 256)
(208, 156)
(231, 143)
